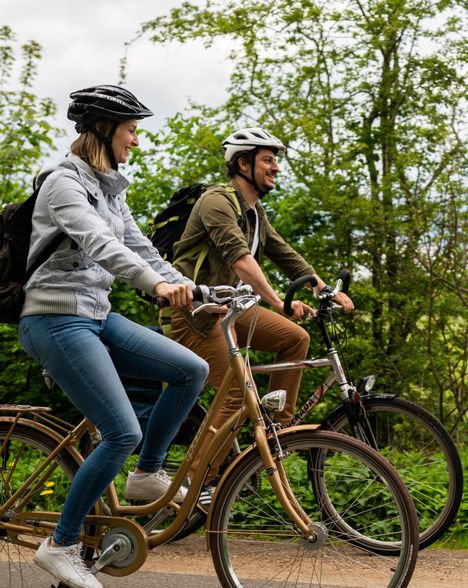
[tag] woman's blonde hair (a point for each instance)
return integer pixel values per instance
(91, 149)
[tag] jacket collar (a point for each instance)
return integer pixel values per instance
(113, 182)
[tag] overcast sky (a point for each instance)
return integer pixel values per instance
(82, 43)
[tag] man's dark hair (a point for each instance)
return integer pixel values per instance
(232, 167)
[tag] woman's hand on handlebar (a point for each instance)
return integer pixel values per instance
(176, 294)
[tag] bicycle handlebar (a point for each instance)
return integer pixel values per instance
(293, 289)
(219, 295)
(342, 285)
(345, 277)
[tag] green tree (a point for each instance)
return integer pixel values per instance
(368, 96)
(26, 137)
(26, 121)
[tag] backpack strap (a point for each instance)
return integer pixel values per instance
(203, 248)
(232, 192)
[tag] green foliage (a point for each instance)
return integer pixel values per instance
(26, 130)
(370, 100)
(26, 135)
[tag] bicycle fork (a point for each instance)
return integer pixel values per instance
(280, 483)
(352, 400)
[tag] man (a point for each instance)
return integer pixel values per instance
(238, 244)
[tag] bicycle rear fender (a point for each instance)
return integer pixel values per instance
(38, 426)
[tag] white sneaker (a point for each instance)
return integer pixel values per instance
(66, 565)
(151, 487)
(205, 498)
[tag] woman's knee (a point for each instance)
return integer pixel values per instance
(202, 370)
(126, 439)
(197, 370)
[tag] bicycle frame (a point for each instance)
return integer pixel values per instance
(66, 436)
(336, 377)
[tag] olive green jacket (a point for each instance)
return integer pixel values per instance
(216, 221)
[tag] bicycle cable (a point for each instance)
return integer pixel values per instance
(339, 333)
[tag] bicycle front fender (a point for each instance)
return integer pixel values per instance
(243, 455)
(326, 424)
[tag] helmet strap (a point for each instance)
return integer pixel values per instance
(107, 142)
(251, 180)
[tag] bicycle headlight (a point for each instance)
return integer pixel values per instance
(274, 401)
(366, 384)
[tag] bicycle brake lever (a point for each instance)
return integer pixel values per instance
(307, 316)
(206, 306)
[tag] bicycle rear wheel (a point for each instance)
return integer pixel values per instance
(422, 452)
(253, 543)
(21, 453)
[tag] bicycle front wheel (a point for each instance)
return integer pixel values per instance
(253, 543)
(422, 452)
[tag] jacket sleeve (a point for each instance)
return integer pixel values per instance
(220, 217)
(71, 212)
(284, 256)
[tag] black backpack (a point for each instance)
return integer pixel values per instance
(169, 224)
(15, 234)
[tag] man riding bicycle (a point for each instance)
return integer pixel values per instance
(237, 246)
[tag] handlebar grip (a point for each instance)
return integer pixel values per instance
(161, 302)
(197, 294)
(293, 289)
(345, 277)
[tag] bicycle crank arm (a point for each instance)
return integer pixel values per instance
(119, 549)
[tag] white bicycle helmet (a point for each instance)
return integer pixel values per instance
(248, 139)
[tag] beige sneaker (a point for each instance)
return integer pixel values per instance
(151, 487)
(66, 565)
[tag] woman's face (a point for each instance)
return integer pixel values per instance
(124, 139)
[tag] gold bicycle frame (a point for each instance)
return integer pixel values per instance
(37, 523)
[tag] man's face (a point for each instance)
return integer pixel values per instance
(265, 170)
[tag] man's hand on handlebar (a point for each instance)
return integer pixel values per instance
(344, 301)
(300, 310)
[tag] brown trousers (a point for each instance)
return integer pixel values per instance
(274, 333)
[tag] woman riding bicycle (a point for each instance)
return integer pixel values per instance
(67, 324)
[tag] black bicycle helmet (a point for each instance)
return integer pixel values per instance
(106, 102)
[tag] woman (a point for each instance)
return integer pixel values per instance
(67, 325)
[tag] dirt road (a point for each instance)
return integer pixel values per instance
(435, 568)
(187, 564)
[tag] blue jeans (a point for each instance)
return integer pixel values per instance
(75, 352)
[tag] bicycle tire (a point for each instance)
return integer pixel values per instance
(433, 473)
(26, 447)
(254, 544)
